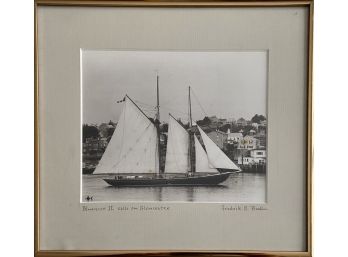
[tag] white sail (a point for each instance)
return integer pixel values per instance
(177, 157)
(202, 162)
(217, 158)
(133, 146)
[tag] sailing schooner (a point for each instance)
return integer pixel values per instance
(133, 156)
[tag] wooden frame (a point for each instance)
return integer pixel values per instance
(179, 3)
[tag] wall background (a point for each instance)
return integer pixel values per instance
(331, 141)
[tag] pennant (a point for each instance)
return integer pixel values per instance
(120, 101)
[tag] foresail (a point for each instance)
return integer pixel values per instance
(217, 158)
(133, 146)
(202, 162)
(177, 148)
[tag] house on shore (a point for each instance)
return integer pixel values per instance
(248, 143)
(256, 156)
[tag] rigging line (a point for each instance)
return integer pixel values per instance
(142, 103)
(182, 125)
(139, 108)
(173, 110)
(205, 113)
(147, 109)
(150, 110)
(195, 96)
(154, 116)
(150, 113)
(172, 99)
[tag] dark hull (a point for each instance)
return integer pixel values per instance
(201, 180)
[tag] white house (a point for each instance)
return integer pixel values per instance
(258, 153)
(245, 160)
(233, 137)
(257, 156)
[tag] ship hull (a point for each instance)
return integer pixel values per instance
(203, 180)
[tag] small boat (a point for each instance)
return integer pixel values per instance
(133, 155)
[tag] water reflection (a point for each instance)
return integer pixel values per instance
(238, 188)
(158, 194)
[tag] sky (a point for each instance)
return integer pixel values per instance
(225, 84)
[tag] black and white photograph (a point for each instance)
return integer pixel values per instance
(174, 126)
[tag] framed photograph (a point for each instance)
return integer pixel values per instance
(173, 127)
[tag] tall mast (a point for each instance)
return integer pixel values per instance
(190, 113)
(157, 122)
(191, 143)
(158, 111)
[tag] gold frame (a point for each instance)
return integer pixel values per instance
(177, 3)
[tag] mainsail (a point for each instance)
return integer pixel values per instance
(202, 162)
(177, 160)
(217, 158)
(133, 146)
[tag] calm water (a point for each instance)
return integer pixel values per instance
(240, 187)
